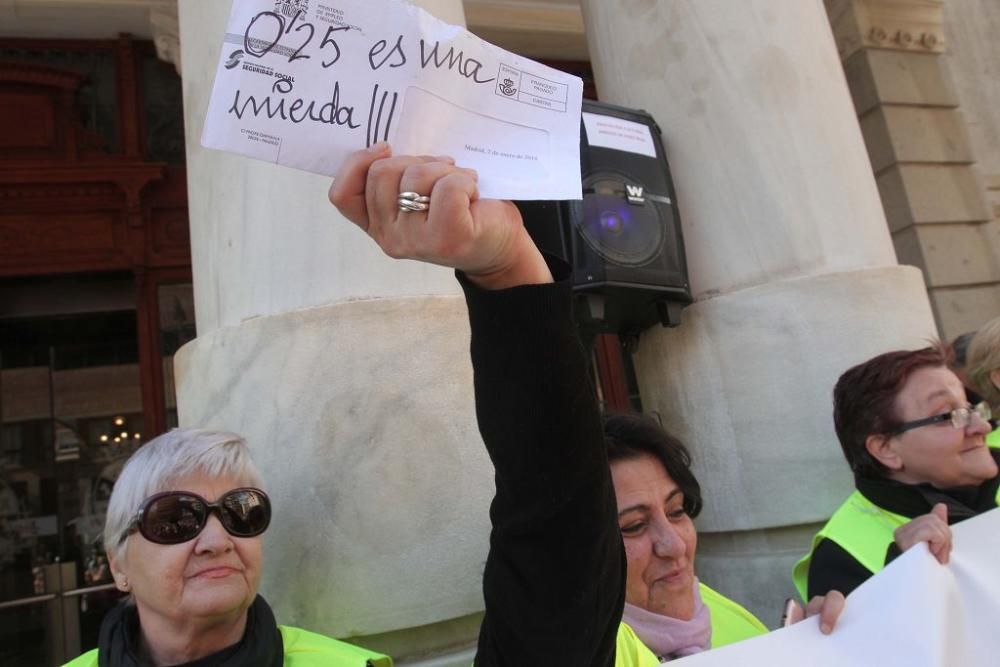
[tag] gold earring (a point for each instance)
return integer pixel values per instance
(124, 583)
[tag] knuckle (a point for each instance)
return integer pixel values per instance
(457, 178)
(379, 169)
(423, 177)
(422, 171)
(397, 248)
(392, 166)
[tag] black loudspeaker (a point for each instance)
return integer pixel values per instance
(623, 240)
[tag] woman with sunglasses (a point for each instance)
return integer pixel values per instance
(920, 460)
(183, 538)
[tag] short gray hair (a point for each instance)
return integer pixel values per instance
(158, 464)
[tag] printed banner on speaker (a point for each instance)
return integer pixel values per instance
(303, 83)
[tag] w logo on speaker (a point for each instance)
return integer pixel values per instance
(634, 194)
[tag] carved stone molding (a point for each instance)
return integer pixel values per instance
(40, 75)
(52, 191)
(904, 25)
(551, 30)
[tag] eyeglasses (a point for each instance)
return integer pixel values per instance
(959, 418)
(173, 517)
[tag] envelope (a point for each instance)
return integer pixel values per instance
(303, 83)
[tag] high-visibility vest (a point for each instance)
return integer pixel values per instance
(631, 652)
(730, 623)
(862, 529)
(859, 527)
(302, 649)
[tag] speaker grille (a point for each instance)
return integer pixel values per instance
(622, 233)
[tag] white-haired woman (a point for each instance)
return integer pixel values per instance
(183, 537)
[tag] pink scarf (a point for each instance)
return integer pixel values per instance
(671, 637)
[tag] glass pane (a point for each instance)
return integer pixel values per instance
(163, 111)
(70, 414)
(176, 302)
(25, 638)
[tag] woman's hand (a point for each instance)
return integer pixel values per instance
(484, 238)
(931, 528)
(828, 607)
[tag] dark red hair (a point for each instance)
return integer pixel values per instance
(864, 401)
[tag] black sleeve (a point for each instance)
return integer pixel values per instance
(554, 582)
(833, 569)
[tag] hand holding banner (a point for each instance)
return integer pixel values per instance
(915, 612)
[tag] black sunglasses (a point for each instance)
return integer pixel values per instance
(173, 517)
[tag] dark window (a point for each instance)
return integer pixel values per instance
(97, 98)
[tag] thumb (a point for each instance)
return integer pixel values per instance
(941, 511)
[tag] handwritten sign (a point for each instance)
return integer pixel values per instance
(303, 83)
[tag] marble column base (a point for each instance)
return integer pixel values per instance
(360, 417)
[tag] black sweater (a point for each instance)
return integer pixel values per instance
(554, 583)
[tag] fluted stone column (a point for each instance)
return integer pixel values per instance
(790, 262)
(348, 374)
(918, 139)
(971, 29)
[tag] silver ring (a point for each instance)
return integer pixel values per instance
(406, 205)
(411, 201)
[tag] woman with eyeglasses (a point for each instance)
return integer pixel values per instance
(920, 460)
(183, 538)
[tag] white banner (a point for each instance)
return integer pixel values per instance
(303, 83)
(916, 612)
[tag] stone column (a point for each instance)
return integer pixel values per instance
(919, 145)
(348, 374)
(971, 28)
(790, 262)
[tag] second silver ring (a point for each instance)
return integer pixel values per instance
(413, 201)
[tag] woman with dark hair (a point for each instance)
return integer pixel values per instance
(920, 460)
(666, 606)
(555, 578)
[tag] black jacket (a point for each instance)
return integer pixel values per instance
(832, 568)
(554, 583)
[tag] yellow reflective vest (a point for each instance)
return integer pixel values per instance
(302, 649)
(730, 623)
(862, 529)
(859, 527)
